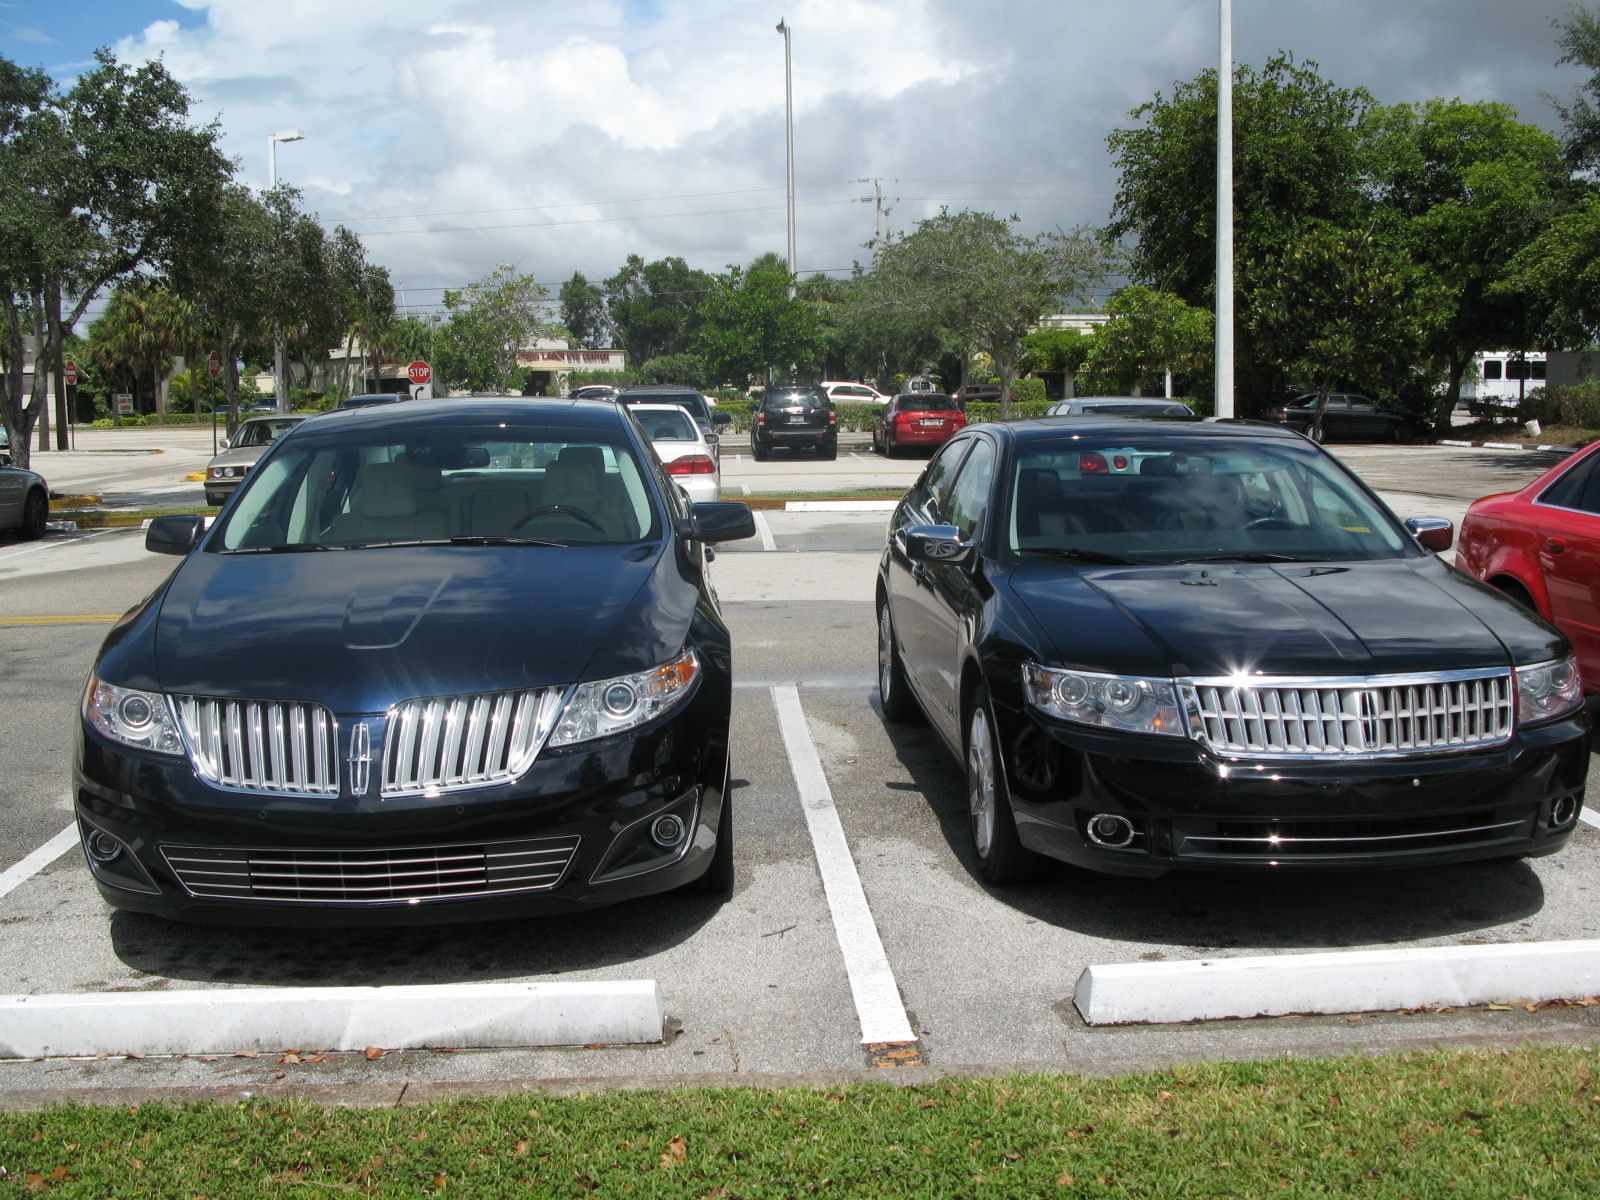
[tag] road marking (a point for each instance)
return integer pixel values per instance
(1589, 817)
(60, 619)
(745, 488)
(34, 549)
(15, 876)
(872, 983)
(764, 530)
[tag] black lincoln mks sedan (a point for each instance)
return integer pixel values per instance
(435, 660)
(1160, 645)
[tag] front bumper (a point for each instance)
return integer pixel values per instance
(1189, 808)
(572, 833)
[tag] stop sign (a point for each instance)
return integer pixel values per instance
(213, 364)
(71, 372)
(419, 372)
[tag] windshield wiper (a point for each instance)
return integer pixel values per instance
(1078, 554)
(286, 548)
(501, 539)
(1252, 556)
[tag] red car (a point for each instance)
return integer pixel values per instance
(917, 419)
(1541, 545)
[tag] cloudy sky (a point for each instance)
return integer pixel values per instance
(457, 134)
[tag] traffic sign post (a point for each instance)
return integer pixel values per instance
(71, 372)
(420, 376)
(213, 364)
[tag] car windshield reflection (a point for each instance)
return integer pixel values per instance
(1173, 500)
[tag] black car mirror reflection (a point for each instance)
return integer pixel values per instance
(723, 521)
(174, 535)
(936, 544)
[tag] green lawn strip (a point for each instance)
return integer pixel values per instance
(1489, 1124)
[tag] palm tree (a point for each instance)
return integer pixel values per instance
(138, 334)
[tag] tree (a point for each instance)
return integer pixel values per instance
(983, 285)
(583, 312)
(101, 182)
(141, 331)
(1056, 352)
(491, 322)
(1148, 333)
(750, 326)
(1462, 189)
(1559, 274)
(1580, 44)
(654, 307)
(1297, 146)
(1332, 303)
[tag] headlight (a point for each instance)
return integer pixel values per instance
(612, 705)
(1548, 690)
(1127, 702)
(134, 718)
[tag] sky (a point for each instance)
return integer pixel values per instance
(456, 135)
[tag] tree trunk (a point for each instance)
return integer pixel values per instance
(52, 316)
(230, 383)
(1452, 395)
(43, 353)
(1322, 409)
(1069, 384)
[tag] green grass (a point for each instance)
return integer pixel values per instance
(1481, 1124)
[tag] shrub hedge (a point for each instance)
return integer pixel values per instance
(1578, 405)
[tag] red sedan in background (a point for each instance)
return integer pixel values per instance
(1541, 545)
(926, 419)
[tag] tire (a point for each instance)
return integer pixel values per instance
(828, 451)
(877, 446)
(1317, 434)
(35, 512)
(894, 692)
(718, 879)
(889, 450)
(759, 452)
(1002, 858)
(1405, 434)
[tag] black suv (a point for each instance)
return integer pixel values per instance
(686, 398)
(797, 415)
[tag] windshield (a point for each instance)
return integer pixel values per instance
(261, 433)
(1134, 408)
(667, 425)
(927, 402)
(1166, 499)
(693, 401)
(441, 485)
(791, 396)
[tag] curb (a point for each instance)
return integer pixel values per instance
(1336, 982)
(223, 1021)
(864, 506)
(1502, 445)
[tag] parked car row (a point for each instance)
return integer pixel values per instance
(24, 496)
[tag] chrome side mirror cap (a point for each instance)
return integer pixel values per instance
(937, 544)
(1435, 533)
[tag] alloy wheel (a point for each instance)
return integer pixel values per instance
(980, 780)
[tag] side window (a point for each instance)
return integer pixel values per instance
(936, 482)
(1568, 491)
(1492, 368)
(1589, 501)
(970, 496)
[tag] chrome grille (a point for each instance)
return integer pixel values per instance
(451, 743)
(261, 746)
(387, 875)
(1378, 716)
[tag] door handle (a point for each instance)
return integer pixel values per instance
(1555, 545)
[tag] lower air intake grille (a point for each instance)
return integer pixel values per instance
(394, 875)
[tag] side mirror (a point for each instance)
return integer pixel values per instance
(936, 544)
(753, 406)
(723, 521)
(721, 418)
(225, 443)
(1435, 533)
(174, 535)
(5, 459)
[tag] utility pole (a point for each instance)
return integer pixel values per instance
(788, 128)
(878, 231)
(1224, 339)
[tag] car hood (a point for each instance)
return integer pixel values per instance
(240, 456)
(1308, 619)
(358, 630)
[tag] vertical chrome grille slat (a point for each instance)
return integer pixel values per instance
(435, 745)
(1351, 718)
(261, 746)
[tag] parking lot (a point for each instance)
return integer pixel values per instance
(762, 984)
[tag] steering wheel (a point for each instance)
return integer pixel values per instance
(1270, 523)
(565, 510)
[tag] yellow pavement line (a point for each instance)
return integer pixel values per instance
(64, 619)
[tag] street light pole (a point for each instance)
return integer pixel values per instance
(288, 135)
(788, 130)
(1224, 340)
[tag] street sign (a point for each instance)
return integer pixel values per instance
(213, 363)
(124, 403)
(71, 373)
(419, 372)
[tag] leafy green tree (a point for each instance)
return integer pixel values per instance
(101, 182)
(1297, 146)
(1580, 45)
(1148, 334)
(1463, 189)
(654, 307)
(583, 312)
(749, 325)
(685, 369)
(1333, 302)
(1559, 274)
(491, 322)
(982, 285)
(1056, 352)
(137, 337)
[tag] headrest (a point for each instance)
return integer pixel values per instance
(386, 490)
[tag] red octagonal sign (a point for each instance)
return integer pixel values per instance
(419, 372)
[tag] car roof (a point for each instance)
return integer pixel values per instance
(1093, 423)
(659, 389)
(598, 416)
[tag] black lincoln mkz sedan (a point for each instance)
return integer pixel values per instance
(1161, 645)
(435, 660)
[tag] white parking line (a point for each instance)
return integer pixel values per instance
(71, 541)
(872, 983)
(15, 876)
(1589, 817)
(764, 530)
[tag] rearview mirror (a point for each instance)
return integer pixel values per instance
(721, 418)
(174, 535)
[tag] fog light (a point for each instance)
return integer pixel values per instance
(1108, 829)
(1563, 811)
(103, 847)
(667, 831)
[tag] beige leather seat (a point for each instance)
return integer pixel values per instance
(384, 508)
